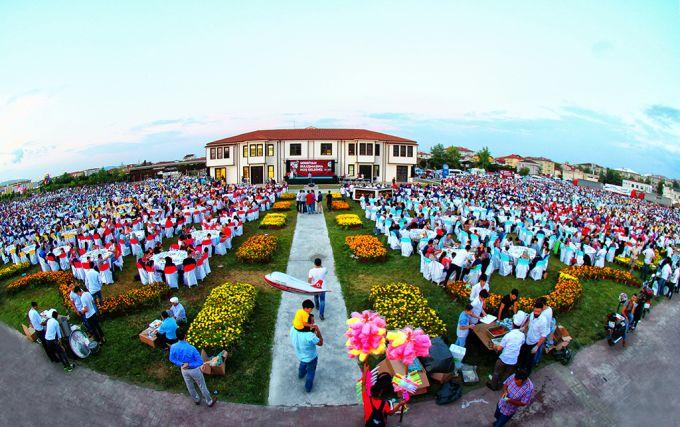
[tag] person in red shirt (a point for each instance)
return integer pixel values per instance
(310, 200)
(376, 406)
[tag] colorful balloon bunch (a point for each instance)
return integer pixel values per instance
(365, 335)
(407, 344)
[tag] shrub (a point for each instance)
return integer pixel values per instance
(348, 221)
(287, 196)
(13, 270)
(402, 305)
(220, 321)
(258, 249)
(366, 248)
(274, 220)
(282, 206)
(340, 206)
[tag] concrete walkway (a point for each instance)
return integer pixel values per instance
(603, 386)
(336, 373)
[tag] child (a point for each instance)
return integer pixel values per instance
(301, 320)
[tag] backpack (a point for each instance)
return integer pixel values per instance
(450, 392)
(377, 417)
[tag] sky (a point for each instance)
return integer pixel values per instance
(91, 84)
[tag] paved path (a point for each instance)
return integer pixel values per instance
(336, 373)
(603, 386)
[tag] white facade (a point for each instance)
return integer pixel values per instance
(259, 160)
(637, 186)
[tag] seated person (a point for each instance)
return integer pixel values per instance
(177, 310)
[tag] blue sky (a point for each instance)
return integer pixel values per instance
(87, 84)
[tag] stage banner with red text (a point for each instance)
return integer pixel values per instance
(303, 168)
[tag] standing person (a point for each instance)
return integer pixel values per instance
(648, 253)
(537, 332)
(76, 304)
(464, 325)
(91, 315)
(509, 347)
(39, 326)
(477, 288)
(664, 276)
(310, 200)
(305, 343)
(478, 306)
(94, 284)
(189, 360)
(675, 279)
(508, 304)
(329, 201)
(319, 202)
(316, 277)
(53, 337)
(517, 392)
(300, 198)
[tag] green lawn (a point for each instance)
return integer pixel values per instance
(125, 357)
(585, 322)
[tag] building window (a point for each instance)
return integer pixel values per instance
(369, 149)
(212, 153)
(350, 170)
(395, 150)
(326, 149)
(219, 152)
(365, 149)
(377, 149)
(376, 171)
(253, 150)
(295, 150)
(270, 150)
(362, 149)
(352, 149)
(226, 152)
(410, 151)
(246, 172)
(270, 171)
(245, 151)
(402, 151)
(260, 150)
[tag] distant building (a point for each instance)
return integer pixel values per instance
(191, 166)
(671, 194)
(326, 154)
(533, 167)
(510, 160)
(630, 186)
(629, 174)
(547, 165)
(424, 156)
(15, 186)
(593, 168)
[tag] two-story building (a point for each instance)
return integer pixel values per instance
(325, 154)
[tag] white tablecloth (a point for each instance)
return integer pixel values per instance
(177, 258)
(94, 255)
(516, 252)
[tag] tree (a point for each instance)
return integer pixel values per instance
(613, 177)
(452, 156)
(483, 158)
(437, 156)
(676, 185)
(524, 171)
(659, 188)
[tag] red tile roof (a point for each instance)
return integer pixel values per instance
(511, 156)
(310, 134)
(540, 158)
(464, 150)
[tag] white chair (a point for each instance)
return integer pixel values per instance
(473, 276)
(611, 253)
(137, 250)
(63, 262)
(393, 241)
(142, 276)
(426, 269)
(190, 275)
(522, 268)
(171, 277)
(406, 246)
(538, 270)
(599, 258)
(505, 266)
(54, 265)
(437, 272)
(579, 257)
(105, 274)
(221, 248)
(124, 249)
(43, 264)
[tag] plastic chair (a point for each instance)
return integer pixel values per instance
(522, 268)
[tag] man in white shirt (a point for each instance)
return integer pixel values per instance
(675, 278)
(648, 253)
(76, 304)
(177, 310)
(478, 306)
(316, 277)
(477, 288)
(459, 261)
(52, 337)
(38, 325)
(94, 284)
(664, 275)
(510, 346)
(91, 315)
(537, 332)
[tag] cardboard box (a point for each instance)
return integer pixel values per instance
(146, 339)
(442, 378)
(561, 338)
(208, 369)
(394, 366)
(30, 333)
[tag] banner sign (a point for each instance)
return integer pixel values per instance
(302, 168)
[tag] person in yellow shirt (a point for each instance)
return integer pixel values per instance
(301, 319)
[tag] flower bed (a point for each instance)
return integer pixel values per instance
(64, 281)
(287, 196)
(340, 206)
(220, 321)
(273, 221)
(13, 270)
(404, 305)
(258, 249)
(348, 221)
(335, 195)
(366, 248)
(567, 292)
(282, 206)
(637, 265)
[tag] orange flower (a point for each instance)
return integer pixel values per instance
(366, 248)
